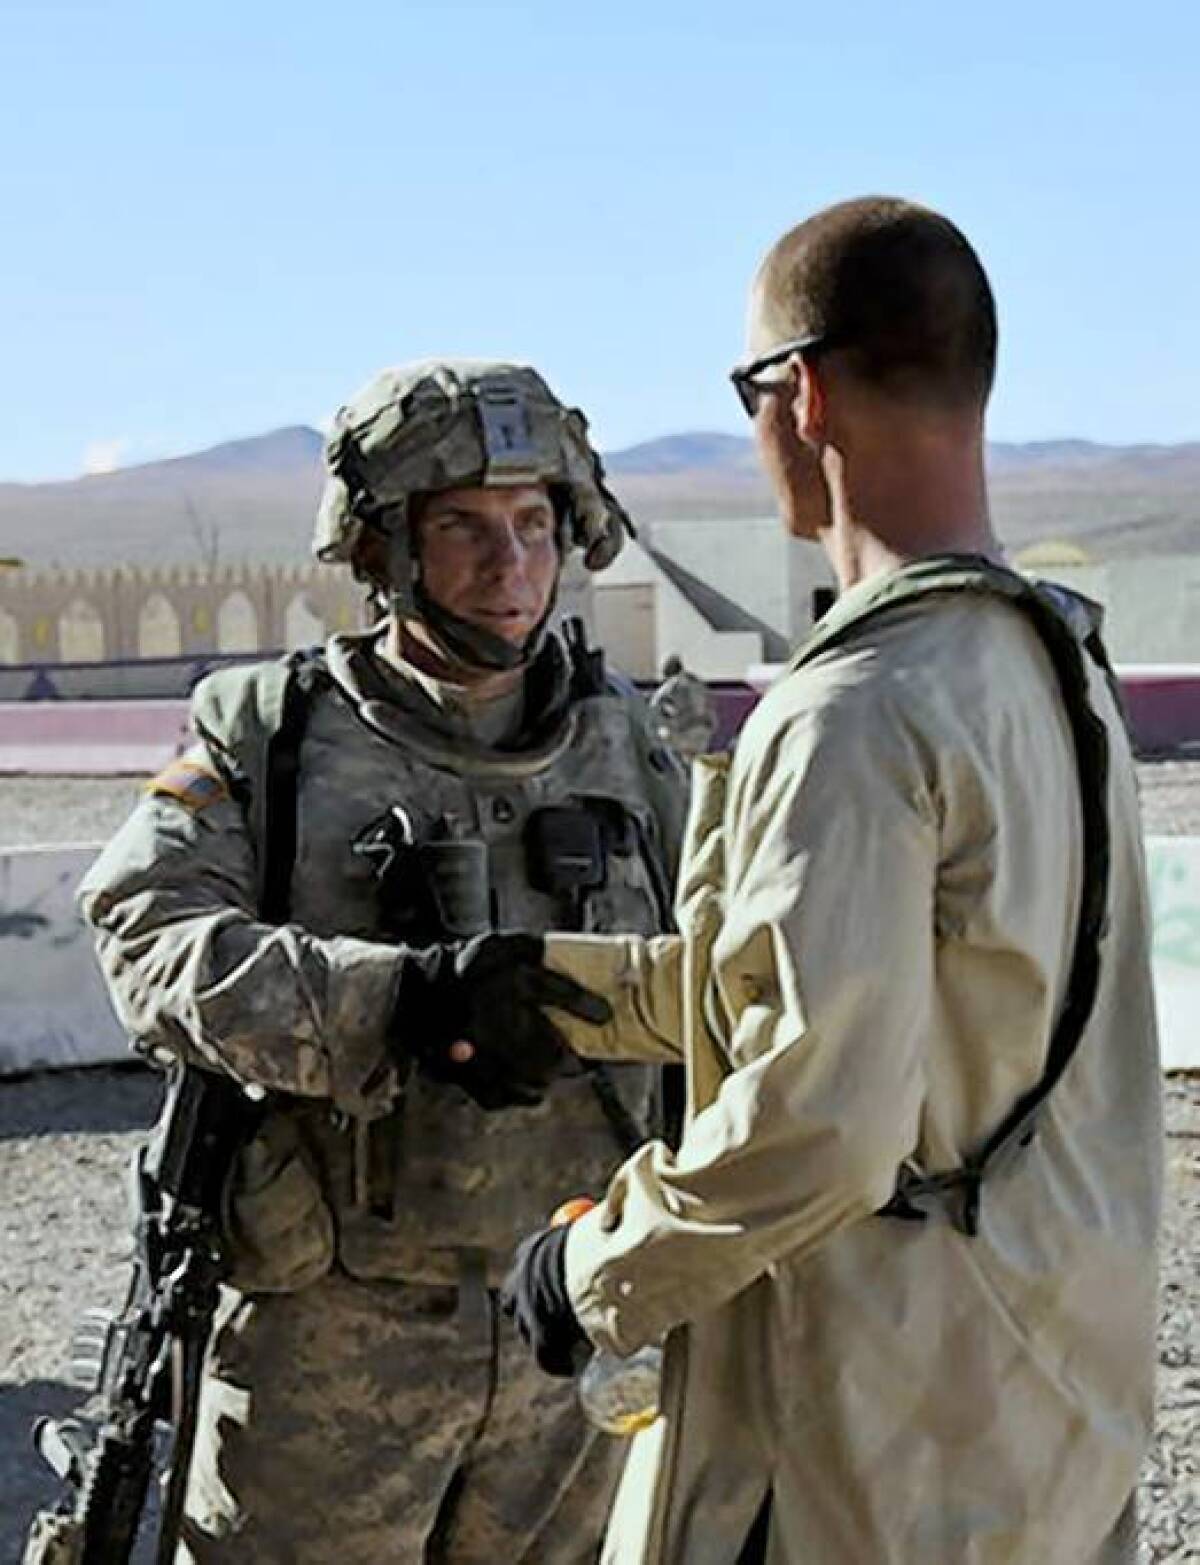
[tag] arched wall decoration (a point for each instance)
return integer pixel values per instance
(159, 634)
(237, 624)
(81, 633)
(302, 625)
(10, 638)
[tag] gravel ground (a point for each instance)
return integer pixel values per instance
(66, 1139)
(65, 1142)
(1170, 797)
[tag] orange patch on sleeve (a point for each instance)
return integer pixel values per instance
(195, 786)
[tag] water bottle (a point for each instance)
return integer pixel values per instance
(618, 1395)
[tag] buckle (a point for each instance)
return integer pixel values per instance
(958, 1192)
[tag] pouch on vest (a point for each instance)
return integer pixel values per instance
(277, 1223)
(428, 891)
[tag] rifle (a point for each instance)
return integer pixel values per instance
(143, 1365)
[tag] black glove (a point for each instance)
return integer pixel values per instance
(489, 991)
(535, 1297)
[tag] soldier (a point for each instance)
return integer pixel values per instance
(903, 1255)
(683, 710)
(288, 904)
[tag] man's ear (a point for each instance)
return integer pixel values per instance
(370, 556)
(808, 403)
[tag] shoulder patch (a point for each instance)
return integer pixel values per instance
(193, 785)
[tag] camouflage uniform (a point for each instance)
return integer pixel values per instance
(361, 1399)
(684, 716)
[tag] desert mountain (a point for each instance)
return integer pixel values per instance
(255, 498)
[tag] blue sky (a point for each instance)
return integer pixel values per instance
(222, 218)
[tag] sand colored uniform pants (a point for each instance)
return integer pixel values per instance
(373, 1421)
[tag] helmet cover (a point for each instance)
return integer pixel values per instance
(441, 424)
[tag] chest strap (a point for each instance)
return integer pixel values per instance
(305, 674)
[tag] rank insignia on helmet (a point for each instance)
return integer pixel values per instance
(195, 786)
(504, 425)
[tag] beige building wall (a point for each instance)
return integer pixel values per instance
(641, 618)
(754, 563)
(637, 614)
(623, 617)
(1151, 606)
(10, 637)
(159, 633)
(109, 615)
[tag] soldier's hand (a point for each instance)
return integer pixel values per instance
(535, 1298)
(473, 1014)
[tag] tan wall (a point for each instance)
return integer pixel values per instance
(641, 617)
(623, 616)
(1151, 606)
(93, 616)
(632, 609)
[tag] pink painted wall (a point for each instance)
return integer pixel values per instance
(1163, 703)
(107, 738)
(1162, 700)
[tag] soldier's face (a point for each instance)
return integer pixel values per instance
(490, 556)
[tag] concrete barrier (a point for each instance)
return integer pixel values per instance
(54, 1010)
(104, 738)
(1173, 866)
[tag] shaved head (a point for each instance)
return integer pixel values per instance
(896, 290)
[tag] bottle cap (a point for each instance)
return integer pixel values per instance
(577, 1206)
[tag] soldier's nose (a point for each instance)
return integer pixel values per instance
(505, 552)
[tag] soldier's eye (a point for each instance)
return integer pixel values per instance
(537, 523)
(458, 522)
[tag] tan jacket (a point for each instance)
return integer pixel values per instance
(878, 903)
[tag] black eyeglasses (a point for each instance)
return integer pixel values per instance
(745, 377)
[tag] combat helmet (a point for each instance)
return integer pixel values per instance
(438, 424)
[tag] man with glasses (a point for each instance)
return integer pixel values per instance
(903, 1257)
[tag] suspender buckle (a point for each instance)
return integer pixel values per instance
(958, 1194)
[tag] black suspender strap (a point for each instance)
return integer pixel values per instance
(278, 810)
(959, 1191)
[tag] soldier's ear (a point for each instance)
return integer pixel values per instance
(370, 555)
(809, 402)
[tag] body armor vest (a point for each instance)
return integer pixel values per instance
(439, 1178)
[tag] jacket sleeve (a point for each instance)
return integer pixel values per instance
(193, 970)
(823, 976)
(640, 978)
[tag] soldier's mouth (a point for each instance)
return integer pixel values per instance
(505, 616)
